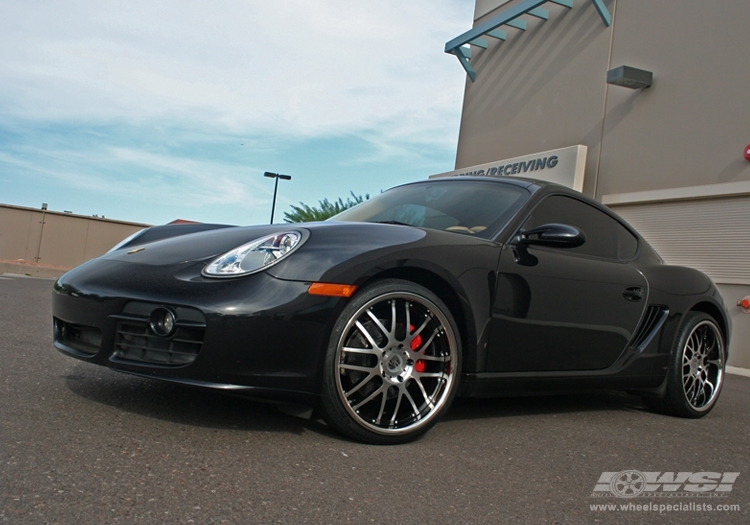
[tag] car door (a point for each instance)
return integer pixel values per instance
(563, 309)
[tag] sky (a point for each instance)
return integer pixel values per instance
(150, 111)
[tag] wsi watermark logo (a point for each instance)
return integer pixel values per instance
(634, 483)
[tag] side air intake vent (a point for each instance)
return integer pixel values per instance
(652, 321)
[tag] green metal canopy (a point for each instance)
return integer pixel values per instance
(510, 17)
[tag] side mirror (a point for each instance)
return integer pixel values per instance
(551, 235)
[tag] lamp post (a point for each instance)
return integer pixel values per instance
(276, 176)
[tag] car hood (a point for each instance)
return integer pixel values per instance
(333, 251)
(329, 242)
(191, 247)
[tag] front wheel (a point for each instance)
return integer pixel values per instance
(696, 373)
(392, 365)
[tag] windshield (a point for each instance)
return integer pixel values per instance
(470, 207)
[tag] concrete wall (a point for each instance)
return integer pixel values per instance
(546, 88)
(690, 128)
(541, 89)
(57, 239)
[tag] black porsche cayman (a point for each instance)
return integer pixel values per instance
(380, 316)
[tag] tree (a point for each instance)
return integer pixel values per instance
(325, 209)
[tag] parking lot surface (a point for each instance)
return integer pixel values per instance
(82, 444)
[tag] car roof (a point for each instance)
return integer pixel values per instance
(533, 185)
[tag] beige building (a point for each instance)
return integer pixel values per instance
(51, 238)
(670, 157)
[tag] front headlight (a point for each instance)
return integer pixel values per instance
(254, 256)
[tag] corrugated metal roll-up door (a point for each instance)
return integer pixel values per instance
(712, 235)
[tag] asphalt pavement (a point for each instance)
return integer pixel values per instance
(81, 444)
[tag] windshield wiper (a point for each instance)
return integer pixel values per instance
(392, 222)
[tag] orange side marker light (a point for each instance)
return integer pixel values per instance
(332, 290)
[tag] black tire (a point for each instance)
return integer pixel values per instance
(696, 371)
(383, 383)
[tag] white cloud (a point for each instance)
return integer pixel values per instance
(292, 67)
(162, 180)
(198, 182)
(137, 109)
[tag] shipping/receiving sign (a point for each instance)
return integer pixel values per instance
(564, 166)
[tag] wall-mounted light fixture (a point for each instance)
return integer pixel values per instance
(630, 77)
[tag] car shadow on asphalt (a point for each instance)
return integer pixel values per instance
(205, 408)
(181, 404)
(530, 405)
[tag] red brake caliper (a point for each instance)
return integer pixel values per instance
(416, 343)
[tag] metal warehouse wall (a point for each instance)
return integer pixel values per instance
(57, 239)
(711, 235)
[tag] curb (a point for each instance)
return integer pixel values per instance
(30, 270)
(738, 371)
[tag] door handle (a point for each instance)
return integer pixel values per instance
(633, 293)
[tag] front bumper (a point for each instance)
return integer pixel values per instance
(255, 335)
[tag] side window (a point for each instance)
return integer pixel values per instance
(602, 231)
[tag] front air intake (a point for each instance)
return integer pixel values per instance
(136, 340)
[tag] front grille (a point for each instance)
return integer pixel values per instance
(136, 341)
(652, 321)
(84, 339)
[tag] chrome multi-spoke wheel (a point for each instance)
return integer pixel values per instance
(703, 365)
(393, 363)
(696, 373)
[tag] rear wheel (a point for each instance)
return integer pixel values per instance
(696, 373)
(393, 364)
